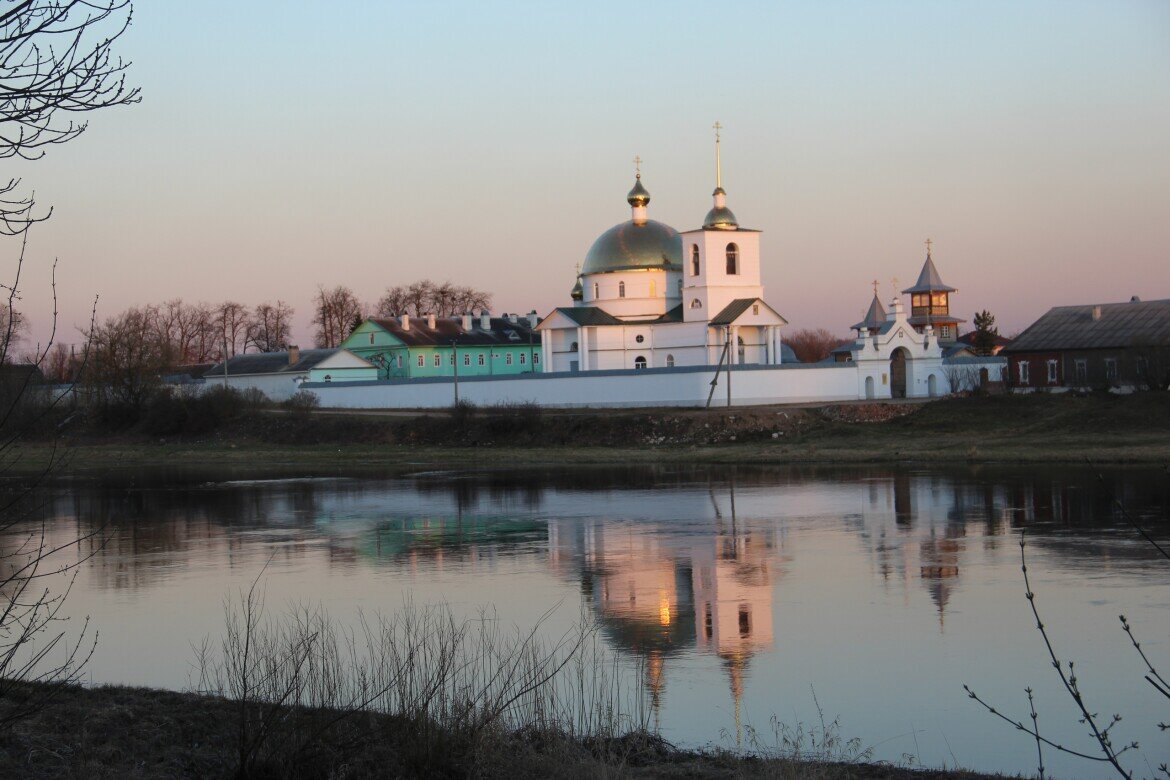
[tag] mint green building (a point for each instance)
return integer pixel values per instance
(410, 347)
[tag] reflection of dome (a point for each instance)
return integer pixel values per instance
(633, 245)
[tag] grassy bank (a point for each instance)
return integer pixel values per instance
(117, 732)
(1008, 429)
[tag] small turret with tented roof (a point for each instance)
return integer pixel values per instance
(930, 302)
(875, 318)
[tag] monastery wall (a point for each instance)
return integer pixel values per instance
(683, 386)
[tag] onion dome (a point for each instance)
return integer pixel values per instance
(635, 245)
(639, 244)
(639, 195)
(720, 217)
(578, 292)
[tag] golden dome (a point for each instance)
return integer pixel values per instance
(720, 218)
(639, 195)
(633, 246)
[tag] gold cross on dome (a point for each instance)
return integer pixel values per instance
(717, 128)
(638, 165)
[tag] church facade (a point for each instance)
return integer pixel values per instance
(648, 296)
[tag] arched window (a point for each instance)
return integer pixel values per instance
(694, 259)
(732, 259)
(328, 378)
(670, 361)
(653, 289)
(640, 362)
(573, 347)
(621, 289)
(596, 291)
(696, 304)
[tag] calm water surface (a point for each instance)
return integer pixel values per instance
(740, 591)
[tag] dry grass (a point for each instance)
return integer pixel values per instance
(131, 733)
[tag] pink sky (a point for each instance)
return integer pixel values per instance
(276, 149)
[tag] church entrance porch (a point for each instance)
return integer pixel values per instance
(898, 373)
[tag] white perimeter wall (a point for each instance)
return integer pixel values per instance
(750, 385)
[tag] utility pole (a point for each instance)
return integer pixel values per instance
(225, 361)
(729, 362)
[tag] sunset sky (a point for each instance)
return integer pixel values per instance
(284, 145)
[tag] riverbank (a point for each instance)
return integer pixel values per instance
(1038, 428)
(118, 732)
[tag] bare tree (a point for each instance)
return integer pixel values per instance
(128, 355)
(271, 326)
(12, 328)
(813, 345)
(426, 297)
(233, 324)
(335, 312)
(56, 61)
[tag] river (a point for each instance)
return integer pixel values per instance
(742, 593)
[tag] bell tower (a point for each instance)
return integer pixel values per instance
(721, 260)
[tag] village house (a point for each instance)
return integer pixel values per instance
(1094, 346)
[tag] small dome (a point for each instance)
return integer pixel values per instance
(635, 245)
(578, 292)
(720, 218)
(639, 196)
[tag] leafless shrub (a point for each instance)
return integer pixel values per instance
(300, 683)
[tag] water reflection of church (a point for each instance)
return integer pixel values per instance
(656, 594)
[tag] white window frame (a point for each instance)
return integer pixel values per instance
(508, 359)
(523, 359)
(422, 361)
(466, 359)
(1022, 370)
(480, 361)
(1052, 372)
(536, 358)
(438, 360)
(1081, 370)
(1111, 374)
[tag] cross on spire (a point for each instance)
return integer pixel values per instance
(929, 244)
(718, 167)
(638, 166)
(875, 286)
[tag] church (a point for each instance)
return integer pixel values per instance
(648, 296)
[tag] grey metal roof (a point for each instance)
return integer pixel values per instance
(1134, 323)
(732, 310)
(269, 363)
(874, 318)
(588, 316)
(929, 280)
(500, 330)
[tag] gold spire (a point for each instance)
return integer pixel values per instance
(718, 167)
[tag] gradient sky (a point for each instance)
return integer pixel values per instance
(283, 145)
